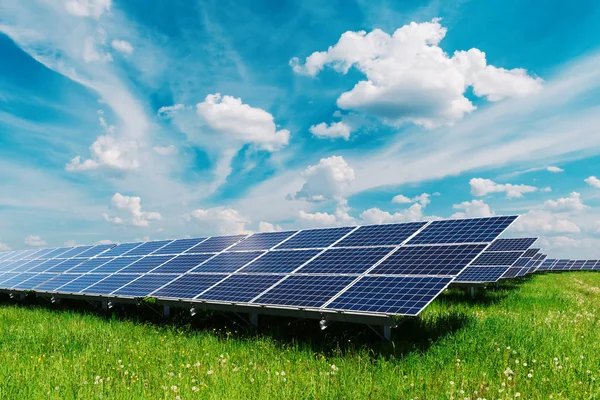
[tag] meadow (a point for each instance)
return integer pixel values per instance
(532, 338)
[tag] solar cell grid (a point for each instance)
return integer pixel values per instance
(54, 283)
(481, 274)
(512, 244)
(65, 265)
(116, 264)
(145, 264)
(216, 244)
(477, 230)
(46, 264)
(560, 265)
(182, 263)
(589, 264)
(110, 284)
(80, 283)
(521, 262)
(380, 235)
(428, 260)
(187, 286)
(121, 249)
(90, 265)
(507, 258)
(240, 288)
(393, 295)
(315, 238)
(147, 248)
(280, 261)
(35, 280)
(94, 251)
(42, 253)
(179, 246)
(546, 264)
(13, 282)
(28, 265)
(228, 262)
(531, 252)
(345, 261)
(511, 272)
(7, 277)
(145, 285)
(262, 241)
(76, 251)
(577, 264)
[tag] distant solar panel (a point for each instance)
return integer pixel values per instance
(90, 265)
(182, 263)
(513, 244)
(512, 272)
(547, 264)
(228, 262)
(262, 241)
(315, 238)
(280, 261)
(240, 288)
(521, 262)
(345, 260)
(507, 258)
(428, 260)
(481, 274)
(74, 252)
(179, 246)
(121, 249)
(477, 230)
(94, 251)
(147, 248)
(380, 235)
(110, 284)
(145, 285)
(145, 264)
(216, 244)
(560, 265)
(116, 264)
(589, 265)
(187, 286)
(80, 283)
(531, 252)
(393, 295)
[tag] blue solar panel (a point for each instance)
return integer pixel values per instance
(315, 238)
(560, 265)
(280, 261)
(182, 264)
(110, 284)
(228, 262)
(43, 252)
(216, 244)
(94, 251)
(7, 276)
(15, 264)
(116, 265)
(187, 286)
(589, 265)
(121, 249)
(89, 265)
(66, 265)
(512, 272)
(15, 280)
(477, 230)
(179, 246)
(597, 266)
(481, 274)
(305, 290)
(57, 252)
(75, 252)
(531, 252)
(147, 248)
(81, 283)
(145, 264)
(507, 258)
(28, 265)
(26, 255)
(391, 295)
(55, 283)
(428, 260)
(46, 264)
(35, 280)
(578, 264)
(145, 285)
(514, 244)
(547, 264)
(380, 235)
(345, 261)
(521, 262)
(262, 241)
(240, 288)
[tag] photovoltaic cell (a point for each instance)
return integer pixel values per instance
(560, 265)
(65, 265)
(90, 265)
(516, 244)
(116, 265)
(241, 288)
(145, 264)
(179, 246)
(428, 260)
(345, 261)
(81, 283)
(145, 285)
(94, 251)
(147, 248)
(182, 264)
(15, 280)
(531, 252)
(589, 265)
(476, 230)
(547, 264)
(262, 241)
(481, 274)
(281, 261)
(55, 283)
(46, 264)
(28, 265)
(6, 277)
(521, 262)
(507, 258)
(315, 238)
(187, 286)
(35, 280)
(42, 253)
(76, 251)
(380, 235)
(511, 272)
(305, 291)
(228, 262)
(121, 249)
(216, 244)
(392, 295)
(578, 264)
(110, 284)
(58, 252)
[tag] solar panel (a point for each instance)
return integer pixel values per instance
(315, 238)
(80, 283)
(380, 235)
(240, 288)
(513, 244)
(6, 277)
(94, 251)
(216, 244)
(511, 272)
(547, 264)
(597, 266)
(345, 260)
(145, 264)
(179, 246)
(531, 252)
(46, 264)
(35, 280)
(280, 261)
(578, 264)
(43, 252)
(15, 280)
(147, 248)
(228, 262)
(187, 286)
(145, 285)
(428, 260)
(507, 258)
(305, 290)
(262, 241)
(116, 265)
(54, 283)
(521, 262)
(57, 252)
(476, 230)
(481, 274)
(90, 265)
(589, 265)
(182, 263)
(28, 265)
(121, 249)
(76, 251)
(65, 265)
(560, 265)
(390, 294)
(110, 284)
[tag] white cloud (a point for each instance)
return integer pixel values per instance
(423, 199)
(339, 217)
(35, 241)
(132, 206)
(268, 227)
(546, 189)
(122, 46)
(91, 53)
(410, 78)
(553, 168)
(70, 243)
(540, 221)
(167, 112)
(571, 203)
(593, 181)
(87, 8)
(165, 150)
(481, 187)
(472, 209)
(108, 152)
(377, 216)
(333, 131)
(325, 181)
(4, 247)
(105, 241)
(245, 124)
(220, 220)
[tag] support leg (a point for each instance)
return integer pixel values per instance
(105, 305)
(22, 297)
(497, 285)
(254, 319)
(472, 292)
(166, 311)
(387, 333)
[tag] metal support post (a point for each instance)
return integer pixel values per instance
(166, 311)
(105, 305)
(472, 292)
(387, 333)
(254, 319)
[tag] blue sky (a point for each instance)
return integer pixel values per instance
(122, 120)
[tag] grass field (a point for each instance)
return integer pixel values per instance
(537, 338)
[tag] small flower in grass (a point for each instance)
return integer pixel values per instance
(187, 365)
(210, 372)
(57, 388)
(195, 388)
(507, 347)
(174, 388)
(516, 361)
(251, 379)
(119, 361)
(529, 375)
(284, 379)
(197, 364)
(524, 364)
(452, 383)
(517, 394)
(334, 367)
(177, 397)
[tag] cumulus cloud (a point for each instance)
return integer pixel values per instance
(167, 112)
(223, 221)
(165, 150)
(87, 8)
(326, 180)
(242, 123)
(571, 203)
(4, 247)
(122, 46)
(482, 187)
(472, 209)
(268, 227)
(553, 168)
(339, 217)
(107, 152)
(540, 221)
(593, 181)
(132, 207)
(333, 131)
(70, 243)
(378, 216)
(410, 78)
(91, 52)
(35, 241)
(423, 199)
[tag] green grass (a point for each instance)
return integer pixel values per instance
(539, 338)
